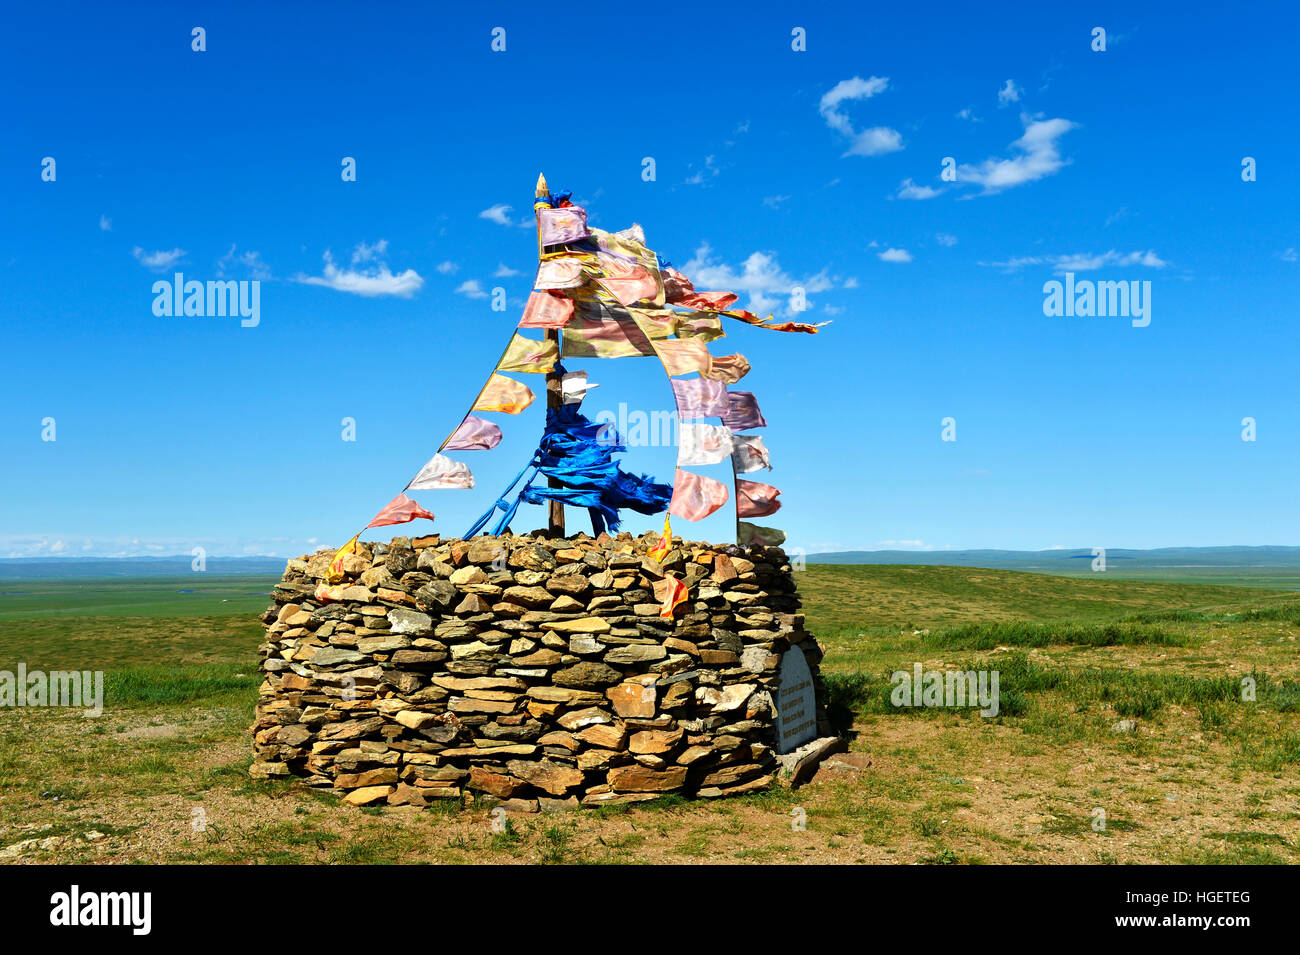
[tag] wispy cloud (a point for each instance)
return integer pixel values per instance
(1082, 261)
(910, 190)
(1010, 93)
(1038, 158)
(250, 261)
(471, 288)
(895, 255)
(447, 268)
(505, 272)
(875, 141)
(944, 239)
(1289, 255)
(760, 276)
(105, 224)
(368, 274)
(500, 214)
(774, 202)
(158, 261)
(700, 176)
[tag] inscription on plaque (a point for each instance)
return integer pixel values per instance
(796, 703)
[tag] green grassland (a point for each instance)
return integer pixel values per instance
(1119, 697)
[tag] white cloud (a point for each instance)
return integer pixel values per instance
(368, 275)
(760, 276)
(447, 268)
(851, 282)
(158, 261)
(699, 177)
(943, 238)
(875, 141)
(105, 224)
(471, 288)
(910, 190)
(774, 202)
(500, 214)
(1010, 93)
(969, 115)
(369, 253)
(895, 255)
(251, 261)
(1289, 255)
(1083, 261)
(505, 272)
(1039, 157)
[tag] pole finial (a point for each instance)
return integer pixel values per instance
(543, 190)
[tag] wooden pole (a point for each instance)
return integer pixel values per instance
(554, 380)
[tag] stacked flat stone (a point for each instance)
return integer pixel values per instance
(532, 671)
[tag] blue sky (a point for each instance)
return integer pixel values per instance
(774, 168)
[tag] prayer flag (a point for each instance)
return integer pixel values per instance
(702, 325)
(681, 357)
(560, 272)
(699, 443)
(755, 499)
(474, 434)
(593, 335)
(527, 355)
(671, 592)
(742, 412)
(748, 534)
(752, 319)
(504, 394)
(325, 593)
(574, 387)
(547, 310)
(442, 473)
(626, 280)
(700, 398)
(748, 453)
(563, 225)
(400, 510)
(695, 496)
(660, 550)
(335, 572)
(728, 368)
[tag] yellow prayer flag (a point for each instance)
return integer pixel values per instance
(504, 394)
(335, 572)
(660, 550)
(529, 355)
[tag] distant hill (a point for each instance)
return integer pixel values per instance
(31, 568)
(1274, 567)
(1072, 558)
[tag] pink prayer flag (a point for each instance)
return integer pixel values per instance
(756, 499)
(547, 310)
(676, 285)
(474, 434)
(742, 411)
(627, 282)
(400, 510)
(695, 496)
(700, 398)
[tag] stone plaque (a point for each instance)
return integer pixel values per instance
(796, 703)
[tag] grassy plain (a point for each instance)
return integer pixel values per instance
(1122, 735)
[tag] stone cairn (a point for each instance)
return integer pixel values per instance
(532, 671)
